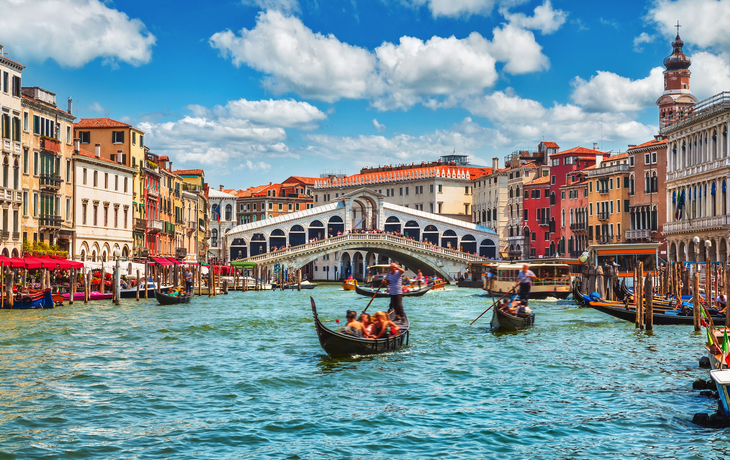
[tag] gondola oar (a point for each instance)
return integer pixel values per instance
(490, 307)
(371, 300)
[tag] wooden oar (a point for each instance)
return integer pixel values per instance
(490, 307)
(371, 300)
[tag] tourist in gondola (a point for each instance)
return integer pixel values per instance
(367, 325)
(383, 327)
(524, 280)
(395, 289)
(353, 326)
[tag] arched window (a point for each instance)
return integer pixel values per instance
(229, 212)
(16, 175)
(655, 183)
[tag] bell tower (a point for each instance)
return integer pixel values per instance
(677, 95)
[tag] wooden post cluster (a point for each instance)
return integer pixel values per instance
(638, 295)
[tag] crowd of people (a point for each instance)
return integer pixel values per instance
(365, 326)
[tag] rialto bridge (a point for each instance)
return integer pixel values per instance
(417, 239)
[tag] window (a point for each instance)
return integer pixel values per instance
(5, 82)
(631, 161)
(84, 175)
(141, 140)
(68, 135)
(16, 86)
(441, 189)
(281, 206)
(430, 188)
(466, 190)
(36, 124)
(647, 158)
(590, 187)
(68, 208)
(68, 170)
(590, 209)
(552, 180)
(618, 183)
(35, 205)
(25, 203)
(26, 122)
(401, 191)
(406, 190)
(124, 223)
(25, 161)
(85, 137)
(117, 137)
(653, 158)
(116, 217)
(555, 162)
(106, 182)
(610, 206)
(125, 185)
(134, 141)
(96, 180)
(618, 206)
(271, 206)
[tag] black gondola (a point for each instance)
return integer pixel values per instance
(505, 322)
(369, 292)
(337, 344)
(164, 299)
(660, 317)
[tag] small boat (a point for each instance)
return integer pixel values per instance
(439, 284)
(666, 317)
(415, 292)
(131, 293)
(503, 321)
(553, 280)
(165, 299)
(338, 344)
(32, 299)
(93, 295)
(722, 380)
(305, 285)
(349, 284)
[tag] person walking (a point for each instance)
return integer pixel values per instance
(524, 279)
(395, 289)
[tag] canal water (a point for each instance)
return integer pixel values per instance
(243, 376)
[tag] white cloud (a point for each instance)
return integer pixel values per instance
(609, 92)
(433, 72)
(254, 166)
(545, 18)
(525, 121)
(96, 107)
(641, 39)
(378, 127)
(287, 6)
(73, 32)
(710, 74)
(455, 8)
(704, 22)
(285, 113)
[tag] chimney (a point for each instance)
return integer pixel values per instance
(599, 160)
(495, 164)
(169, 168)
(70, 106)
(97, 150)
(221, 187)
(77, 145)
(119, 156)
(595, 145)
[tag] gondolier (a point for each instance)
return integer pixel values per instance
(395, 289)
(524, 279)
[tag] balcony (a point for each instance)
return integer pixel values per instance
(579, 227)
(602, 216)
(191, 188)
(603, 170)
(154, 226)
(605, 239)
(16, 235)
(181, 253)
(696, 225)
(153, 192)
(641, 235)
(52, 145)
(192, 227)
(10, 196)
(49, 221)
(603, 191)
(140, 224)
(144, 253)
(544, 221)
(7, 145)
(50, 182)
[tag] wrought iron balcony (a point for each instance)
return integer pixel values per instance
(49, 221)
(579, 227)
(50, 182)
(603, 191)
(140, 224)
(181, 253)
(602, 216)
(605, 239)
(16, 235)
(154, 226)
(643, 235)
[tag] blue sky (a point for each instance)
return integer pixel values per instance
(256, 90)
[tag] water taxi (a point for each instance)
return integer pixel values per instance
(349, 284)
(553, 280)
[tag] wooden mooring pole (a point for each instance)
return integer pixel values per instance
(696, 301)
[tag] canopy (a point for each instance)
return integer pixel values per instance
(161, 260)
(243, 264)
(12, 262)
(40, 262)
(173, 261)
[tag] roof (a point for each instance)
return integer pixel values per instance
(551, 145)
(219, 194)
(651, 143)
(305, 180)
(165, 158)
(539, 181)
(620, 156)
(87, 154)
(49, 107)
(380, 177)
(189, 172)
(580, 150)
(100, 123)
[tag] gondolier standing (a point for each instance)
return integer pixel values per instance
(395, 289)
(524, 279)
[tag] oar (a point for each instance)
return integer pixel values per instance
(490, 307)
(371, 300)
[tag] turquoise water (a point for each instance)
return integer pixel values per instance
(243, 376)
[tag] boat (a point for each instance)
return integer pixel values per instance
(722, 380)
(131, 293)
(32, 299)
(337, 344)
(349, 284)
(439, 284)
(503, 321)
(414, 292)
(93, 295)
(165, 299)
(666, 317)
(305, 285)
(553, 280)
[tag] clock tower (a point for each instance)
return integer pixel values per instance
(677, 95)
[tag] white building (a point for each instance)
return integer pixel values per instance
(490, 206)
(103, 206)
(221, 204)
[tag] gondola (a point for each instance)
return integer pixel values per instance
(660, 317)
(337, 344)
(164, 299)
(502, 321)
(295, 286)
(369, 292)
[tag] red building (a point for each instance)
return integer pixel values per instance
(574, 214)
(536, 218)
(562, 164)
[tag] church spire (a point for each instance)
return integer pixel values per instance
(677, 95)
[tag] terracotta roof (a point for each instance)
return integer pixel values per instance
(551, 145)
(306, 180)
(189, 172)
(100, 123)
(579, 150)
(620, 156)
(651, 143)
(165, 158)
(230, 191)
(443, 171)
(87, 154)
(539, 181)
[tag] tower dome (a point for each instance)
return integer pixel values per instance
(677, 60)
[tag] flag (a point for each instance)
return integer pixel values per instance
(680, 206)
(216, 212)
(725, 345)
(710, 342)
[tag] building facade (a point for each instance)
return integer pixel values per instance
(272, 200)
(608, 200)
(194, 244)
(537, 222)
(223, 217)
(11, 196)
(574, 214)
(490, 206)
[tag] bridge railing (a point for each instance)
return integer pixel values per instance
(364, 237)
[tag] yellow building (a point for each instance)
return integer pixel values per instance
(194, 213)
(608, 200)
(124, 144)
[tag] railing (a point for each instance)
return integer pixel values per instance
(49, 221)
(50, 182)
(7, 194)
(694, 225)
(602, 216)
(703, 109)
(643, 234)
(7, 146)
(191, 188)
(543, 221)
(140, 224)
(181, 253)
(605, 239)
(602, 170)
(16, 235)
(52, 145)
(425, 247)
(603, 191)
(192, 226)
(154, 226)
(153, 192)
(695, 170)
(4, 234)
(579, 227)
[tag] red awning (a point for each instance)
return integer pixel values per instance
(16, 262)
(161, 261)
(65, 264)
(174, 261)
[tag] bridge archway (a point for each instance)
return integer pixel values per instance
(392, 225)
(335, 226)
(239, 250)
(277, 239)
(449, 239)
(345, 261)
(412, 230)
(316, 230)
(258, 244)
(469, 244)
(487, 248)
(431, 234)
(297, 235)
(357, 265)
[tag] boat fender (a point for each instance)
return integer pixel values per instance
(596, 297)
